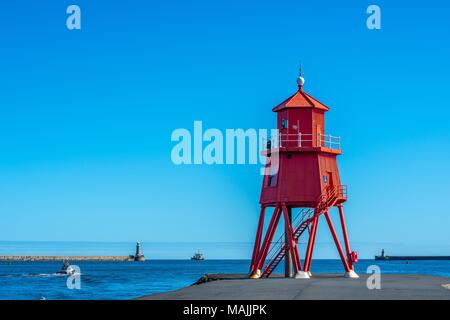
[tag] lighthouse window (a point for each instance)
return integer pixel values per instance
(284, 123)
(272, 180)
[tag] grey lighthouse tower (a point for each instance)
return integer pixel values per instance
(138, 256)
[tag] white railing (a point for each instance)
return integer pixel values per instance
(302, 140)
(329, 141)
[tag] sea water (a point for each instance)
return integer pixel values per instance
(127, 280)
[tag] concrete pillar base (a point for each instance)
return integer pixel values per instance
(351, 274)
(302, 275)
(256, 274)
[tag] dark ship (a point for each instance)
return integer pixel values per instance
(198, 256)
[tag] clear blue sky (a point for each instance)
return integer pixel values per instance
(86, 116)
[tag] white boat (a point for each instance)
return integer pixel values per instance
(66, 269)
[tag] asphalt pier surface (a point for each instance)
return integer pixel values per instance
(320, 286)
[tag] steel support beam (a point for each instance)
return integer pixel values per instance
(292, 248)
(310, 247)
(345, 235)
(336, 241)
(268, 238)
(288, 240)
(257, 246)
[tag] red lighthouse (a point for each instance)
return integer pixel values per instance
(301, 184)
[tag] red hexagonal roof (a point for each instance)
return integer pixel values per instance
(301, 100)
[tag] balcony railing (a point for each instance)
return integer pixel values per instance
(303, 140)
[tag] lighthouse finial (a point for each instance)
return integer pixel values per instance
(300, 79)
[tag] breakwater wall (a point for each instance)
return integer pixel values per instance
(69, 258)
(412, 257)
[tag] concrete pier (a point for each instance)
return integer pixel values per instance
(320, 286)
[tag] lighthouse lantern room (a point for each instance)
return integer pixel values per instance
(301, 184)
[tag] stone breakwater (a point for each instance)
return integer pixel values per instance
(69, 258)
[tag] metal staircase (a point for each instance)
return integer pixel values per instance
(300, 223)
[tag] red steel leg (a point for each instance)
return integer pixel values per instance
(336, 241)
(297, 263)
(258, 238)
(313, 244)
(268, 238)
(312, 238)
(291, 245)
(345, 235)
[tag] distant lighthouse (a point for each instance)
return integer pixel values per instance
(138, 256)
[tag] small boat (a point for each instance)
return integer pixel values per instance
(198, 256)
(66, 269)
